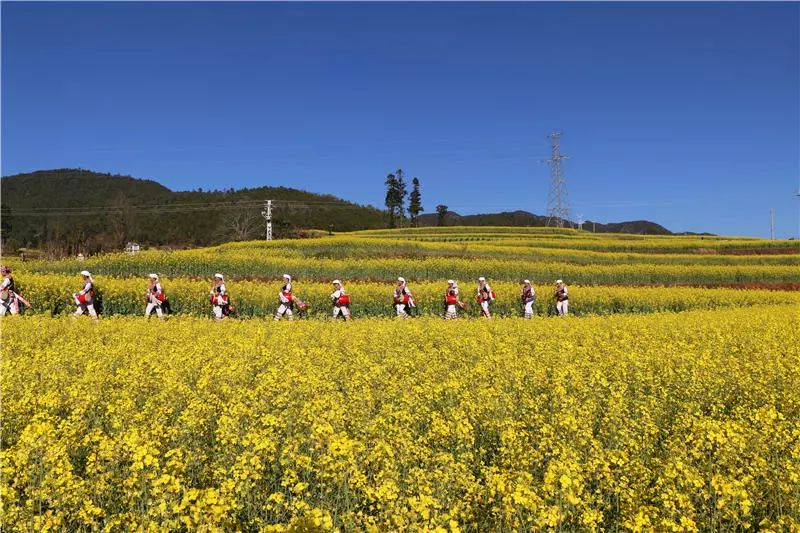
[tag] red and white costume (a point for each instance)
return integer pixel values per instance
(9, 300)
(341, 301)
(485, 296)
(84, 298)
(451, 301)
(562, 300)
(528, 297)
(219, 297)
(155, 296)
(286, 299)
(403, 299)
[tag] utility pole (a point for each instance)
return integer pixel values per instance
(267, 214)
(594, 227)
(772, 224)
(557, 202)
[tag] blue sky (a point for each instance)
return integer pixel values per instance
(687, 114)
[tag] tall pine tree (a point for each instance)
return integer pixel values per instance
(391, 198)
(400, 195)
(415, 203)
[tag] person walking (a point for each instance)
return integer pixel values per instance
(485, 297)
(528, 298)
(341, 301)
(562, 300)
(84, 298)
(451, 302)
(220, 301)
(154, 297)
(9, 298)
(286, 299)
(403, 299)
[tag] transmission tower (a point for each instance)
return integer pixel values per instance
(557, 201)
(772, 224)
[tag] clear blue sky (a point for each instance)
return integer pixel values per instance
(684, 113)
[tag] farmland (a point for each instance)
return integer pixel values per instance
(667, 402)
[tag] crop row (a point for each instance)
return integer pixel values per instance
(367, 248)
(585, 240)
(51, 293)
(263, 264)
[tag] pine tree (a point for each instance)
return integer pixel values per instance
(400, 196)
(391, 198)
(415, 203)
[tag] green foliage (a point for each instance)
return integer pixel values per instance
(415, 203)
(441, 213)
(395, 197)
(48, 204)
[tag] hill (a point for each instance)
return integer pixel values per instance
(71, 210)
(66, 211)
(524, 218)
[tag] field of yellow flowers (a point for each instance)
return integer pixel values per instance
(666, 421)
(668, 401)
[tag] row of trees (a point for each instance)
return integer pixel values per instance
(396, 198)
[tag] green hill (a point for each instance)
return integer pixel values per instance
(75, 210)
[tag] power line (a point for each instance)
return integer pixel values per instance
(174, 208)
(180, 205)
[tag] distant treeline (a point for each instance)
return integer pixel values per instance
(524, 218)
(66, 211)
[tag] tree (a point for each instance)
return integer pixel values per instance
(5, 222)
(242, 224)
(415, 203)
(391, 198)
(400, 195)
(395, 197)
(122, 220)
(441, 210)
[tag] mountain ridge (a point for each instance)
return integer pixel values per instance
(525, 218)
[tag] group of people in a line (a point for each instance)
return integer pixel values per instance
(222, 306)
(486, 296)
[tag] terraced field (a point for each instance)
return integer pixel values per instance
(666, 401)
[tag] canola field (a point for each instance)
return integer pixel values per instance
(667, 402)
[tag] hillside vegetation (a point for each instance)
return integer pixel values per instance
(72, 210)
